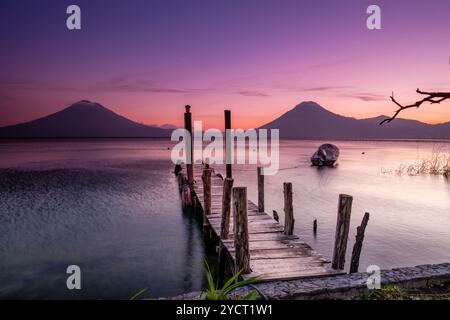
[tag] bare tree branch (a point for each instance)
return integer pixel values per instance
(432, 97)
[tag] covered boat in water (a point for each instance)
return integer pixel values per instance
(326, 155)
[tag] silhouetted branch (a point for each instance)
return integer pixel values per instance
(432, 97)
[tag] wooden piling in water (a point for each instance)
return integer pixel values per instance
(242, 250)
(356, 253)
(228, 143)
(224, 226)
(342, 228)
(226, 208)
(315, 226)
(206, 177)
(188, 148)
(181, 181)
(288, 209)
(260, 189)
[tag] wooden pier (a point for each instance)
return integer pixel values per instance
(273, 254)
(249, 240)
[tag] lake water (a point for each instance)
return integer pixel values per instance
(112, 208)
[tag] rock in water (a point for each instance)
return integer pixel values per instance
(326, 155)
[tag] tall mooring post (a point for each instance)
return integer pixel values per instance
(342, 228)
(188, 148)
(288, 209)
(260, 189)
(228, 143)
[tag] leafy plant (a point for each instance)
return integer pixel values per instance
(213, 292)
(138, 294)
(388, 292)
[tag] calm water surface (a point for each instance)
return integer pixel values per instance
(112, 207)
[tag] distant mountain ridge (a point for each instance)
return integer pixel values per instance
(83, 119)
(309, 120)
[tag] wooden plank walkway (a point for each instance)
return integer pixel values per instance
(273, 255)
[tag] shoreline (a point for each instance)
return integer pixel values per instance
(344, 287)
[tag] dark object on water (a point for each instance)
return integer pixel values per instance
(275, 216)
(326, 155)
(363, 152)
(315, 226)
(219, 175)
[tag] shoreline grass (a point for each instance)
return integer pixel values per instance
(438, 163)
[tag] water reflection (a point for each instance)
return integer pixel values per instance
(112, 208)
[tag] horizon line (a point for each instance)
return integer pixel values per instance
(165, 123)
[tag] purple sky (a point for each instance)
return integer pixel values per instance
(147, 59)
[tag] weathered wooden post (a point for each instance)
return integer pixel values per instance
(342, 228)
(181, 181)
(356, 253)
(206, 177)
(260, 172)
(188, 148)
(208, 232)
(242, 250)
(288, 209)
(226, 208)
(228, 143)
(224, 226)
(315, 226)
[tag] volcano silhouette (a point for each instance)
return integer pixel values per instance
(83, 119)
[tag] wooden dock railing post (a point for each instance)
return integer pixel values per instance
(226, 208)
(356, 253)
(206, 177)
(228, 143)
(188, 148)
(288, 209)
(260, 189)
(342, 228)
(224, 226)
(242, 250)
